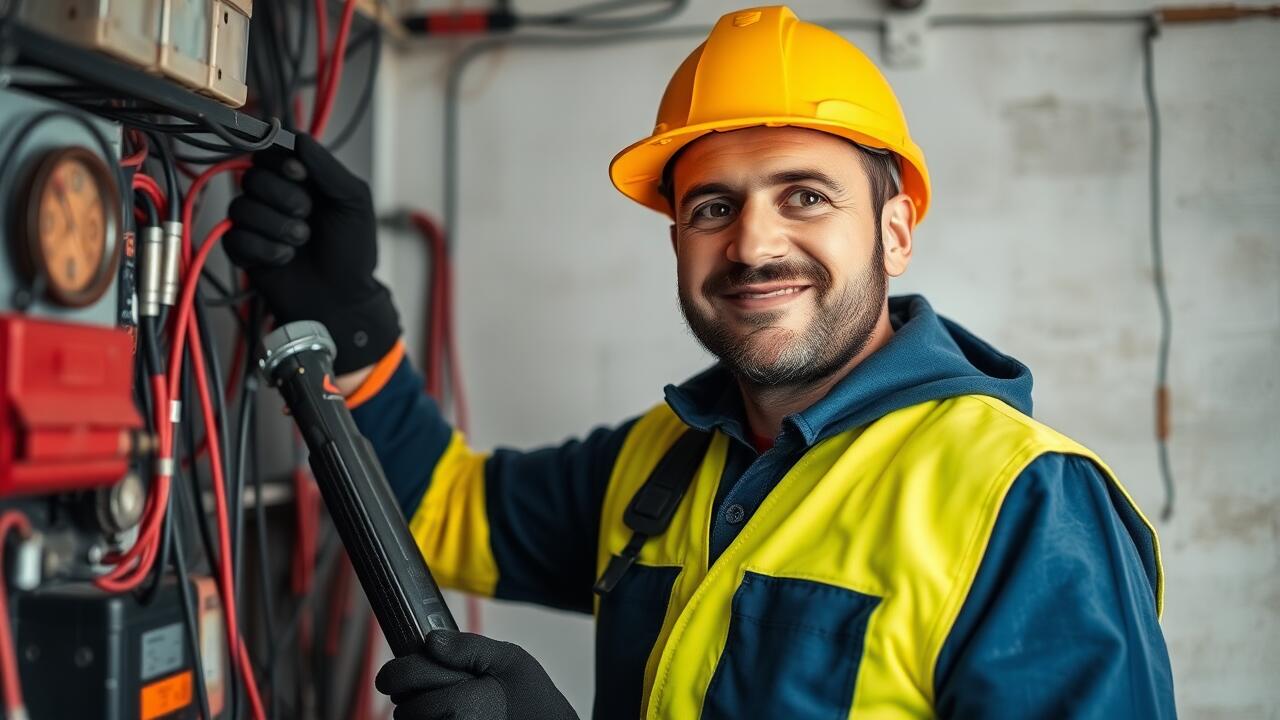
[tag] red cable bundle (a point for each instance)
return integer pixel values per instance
(133, 566)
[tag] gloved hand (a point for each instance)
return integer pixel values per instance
(464, 676)
(305, 232)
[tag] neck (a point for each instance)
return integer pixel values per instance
(766, 406)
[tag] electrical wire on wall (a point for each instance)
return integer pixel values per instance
(1162, 399)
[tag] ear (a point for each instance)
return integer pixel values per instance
(673, 237)
(896, 223)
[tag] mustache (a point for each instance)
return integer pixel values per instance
(791, 270)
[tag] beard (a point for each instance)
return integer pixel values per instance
(770, 355)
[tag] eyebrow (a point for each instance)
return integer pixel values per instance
(778, 178)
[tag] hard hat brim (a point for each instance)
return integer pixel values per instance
(637, 170)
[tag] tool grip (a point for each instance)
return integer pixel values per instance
(391, 570)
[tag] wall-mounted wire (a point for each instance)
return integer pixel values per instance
(1162, 409)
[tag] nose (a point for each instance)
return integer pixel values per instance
(760, 235)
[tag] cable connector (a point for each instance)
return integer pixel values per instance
(169, 285)
(175, 411)
(151, 274)
(28, 561)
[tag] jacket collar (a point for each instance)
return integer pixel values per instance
(928, 358)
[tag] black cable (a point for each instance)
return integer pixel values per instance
(231, 300)
(1035, 18)
(365, 101)
(148, 206)
(294, 50)
(153, 364)
(241, 468)
(357, 41)
(268, 76)
(220, 151)
(208, 158)
(197, 490)
(173, 187)
(266, 141)
(249, 390)
(277, 51)
(189, 611)
(1157, 263)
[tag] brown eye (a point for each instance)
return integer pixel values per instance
(714, 210)
(804, 198)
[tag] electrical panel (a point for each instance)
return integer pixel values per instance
(69, 427)
(200, 44)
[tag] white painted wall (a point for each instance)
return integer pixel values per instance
(1037, 240)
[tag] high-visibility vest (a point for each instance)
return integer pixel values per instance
(837, 595)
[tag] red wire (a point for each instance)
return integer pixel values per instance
(13, 703)
(186, 328)
(322, 38)
(151, 189)
(332, 77)
(139, 156)
(189, 202)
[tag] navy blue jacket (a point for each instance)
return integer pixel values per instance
(1060, 621)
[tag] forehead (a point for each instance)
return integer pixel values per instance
(739, 155)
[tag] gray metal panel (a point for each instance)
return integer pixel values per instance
(54, 133)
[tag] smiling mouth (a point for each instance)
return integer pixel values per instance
(762, 295)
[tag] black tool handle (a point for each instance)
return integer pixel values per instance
(401, 591)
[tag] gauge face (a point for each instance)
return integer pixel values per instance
(72, 221)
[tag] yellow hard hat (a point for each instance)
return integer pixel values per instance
(763, 66)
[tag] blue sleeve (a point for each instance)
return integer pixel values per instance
(544, 518)
(1061, 619)
(542, 507)
(408, 434)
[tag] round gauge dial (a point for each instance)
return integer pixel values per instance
(72, 223)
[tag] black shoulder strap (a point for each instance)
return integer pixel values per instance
(655, 503)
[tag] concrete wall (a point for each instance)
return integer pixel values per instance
(1038, 240)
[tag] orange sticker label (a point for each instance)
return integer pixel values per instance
(163, 697)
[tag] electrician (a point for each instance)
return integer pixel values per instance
(876, 525)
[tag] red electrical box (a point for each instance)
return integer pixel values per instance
(66, 405)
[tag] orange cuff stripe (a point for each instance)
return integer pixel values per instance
(378, 378)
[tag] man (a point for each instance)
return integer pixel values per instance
(873, 525)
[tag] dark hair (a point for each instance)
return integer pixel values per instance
(881, 167)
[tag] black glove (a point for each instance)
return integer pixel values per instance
(305, 232)
(463, 676)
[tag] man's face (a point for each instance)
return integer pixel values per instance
(780, 266)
